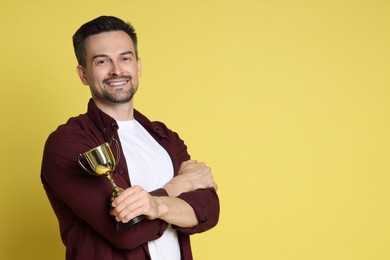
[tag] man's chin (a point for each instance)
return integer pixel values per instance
(119, 100)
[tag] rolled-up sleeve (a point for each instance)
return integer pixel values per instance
(205, 203)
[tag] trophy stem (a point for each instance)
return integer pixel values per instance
(115, 189)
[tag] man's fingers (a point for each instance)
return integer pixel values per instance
(133, 202)
(126, 194)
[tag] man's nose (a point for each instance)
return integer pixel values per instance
(116, 69)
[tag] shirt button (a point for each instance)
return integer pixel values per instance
(121, 172)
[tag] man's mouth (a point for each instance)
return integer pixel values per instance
(116, 83)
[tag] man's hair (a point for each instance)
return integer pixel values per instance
(100, 25)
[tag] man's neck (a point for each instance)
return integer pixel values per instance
(120, 112)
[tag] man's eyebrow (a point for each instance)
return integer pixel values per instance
(126, 52)
(106, 56)
(99, 56)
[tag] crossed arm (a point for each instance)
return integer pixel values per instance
(135, 201)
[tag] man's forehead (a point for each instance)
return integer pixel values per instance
(110, 42)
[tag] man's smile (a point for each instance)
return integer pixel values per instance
(117, 83)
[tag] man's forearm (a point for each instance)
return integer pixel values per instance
(176, 211)
(192, 176)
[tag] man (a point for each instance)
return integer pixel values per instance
(176, 195)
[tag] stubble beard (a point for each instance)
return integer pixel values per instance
(119, 96)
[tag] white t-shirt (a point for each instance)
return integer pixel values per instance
(150, 167)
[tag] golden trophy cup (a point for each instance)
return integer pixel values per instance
(103, 163)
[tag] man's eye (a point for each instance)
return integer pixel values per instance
(101, 61)
(127, 59)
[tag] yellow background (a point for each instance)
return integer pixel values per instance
(287, 101)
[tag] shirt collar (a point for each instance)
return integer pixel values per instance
(104, 122)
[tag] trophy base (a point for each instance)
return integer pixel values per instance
(121, 225)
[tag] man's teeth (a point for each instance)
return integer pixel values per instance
(117, 83)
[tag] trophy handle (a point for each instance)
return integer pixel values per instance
(118, 152)
(82, 165)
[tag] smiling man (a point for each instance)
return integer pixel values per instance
(176, 195)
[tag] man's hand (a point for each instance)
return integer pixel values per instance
(192, 175)
(132, 202)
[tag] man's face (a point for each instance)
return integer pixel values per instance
(112, 70)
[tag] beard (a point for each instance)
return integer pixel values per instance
(119, 96)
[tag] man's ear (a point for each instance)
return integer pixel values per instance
(82, 74)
